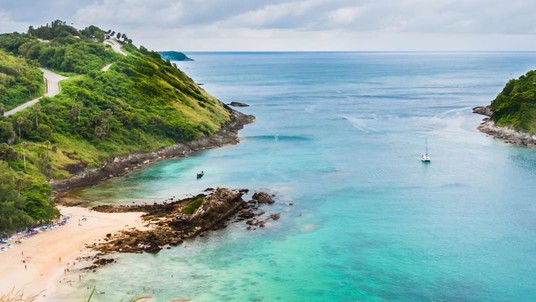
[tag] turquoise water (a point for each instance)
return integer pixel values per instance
(340, 135)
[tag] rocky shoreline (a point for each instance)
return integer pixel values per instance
(171, 223)
(506, 134)
(120, 165)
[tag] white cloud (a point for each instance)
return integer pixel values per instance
(8, 25)
(345, 15)
(294, 24)
(131, 12)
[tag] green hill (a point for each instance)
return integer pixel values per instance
(20, 81)
(141, 103)
(515, 106)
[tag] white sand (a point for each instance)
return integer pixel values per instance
(44, 270)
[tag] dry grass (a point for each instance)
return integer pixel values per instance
(18, 296)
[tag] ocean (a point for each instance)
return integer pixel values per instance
(339, 135)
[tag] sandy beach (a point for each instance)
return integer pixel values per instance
(47, 254)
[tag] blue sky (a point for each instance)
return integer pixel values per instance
(386, 25)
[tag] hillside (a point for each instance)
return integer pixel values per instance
(141, 103)
(515, 106)
(20, 81)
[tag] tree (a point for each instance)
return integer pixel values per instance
(76, 110)
(36, 110)
(118, 36)
(12, 214)
(99, 132)
(24, 146)
(19, 121)
(2, 109)
(6, 152)
(7, 135)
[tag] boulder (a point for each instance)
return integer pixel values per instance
(263, 197)
(238, 104)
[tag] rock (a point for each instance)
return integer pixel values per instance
(275, 216)
(263, 197)
(238, 104)
(246, 214)
(484, 110)
(168, 225)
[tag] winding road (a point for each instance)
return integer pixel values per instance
(52, 81)
(116, 46)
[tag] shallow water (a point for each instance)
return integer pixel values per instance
(340, 135)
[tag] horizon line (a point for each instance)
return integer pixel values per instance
(348, 51)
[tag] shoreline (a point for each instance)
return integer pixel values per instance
(506, 134)
(121, 165)
(47, 255)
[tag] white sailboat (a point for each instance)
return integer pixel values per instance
(425, 158)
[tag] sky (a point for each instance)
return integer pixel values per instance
(294, 25)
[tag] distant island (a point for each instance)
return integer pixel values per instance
(512, 114)
(174, 56)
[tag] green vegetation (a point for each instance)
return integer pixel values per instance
(174, 56)
(193, 205)
(61, 48)
(515, 106)
(20, 81)
(141, 103)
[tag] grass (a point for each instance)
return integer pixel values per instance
(18, 296)
(193, 205)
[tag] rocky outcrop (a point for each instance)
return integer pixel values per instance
(120, 165)
(506, 134)
(509, 135)
(172, 223)
(484, 110)
(263, 197)
(238, 104)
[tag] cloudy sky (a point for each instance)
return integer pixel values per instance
(204, 25)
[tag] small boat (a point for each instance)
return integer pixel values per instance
(425, 158)
(200, 174)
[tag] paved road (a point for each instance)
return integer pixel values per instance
(52, 88)
(105, 68)
(116, 46)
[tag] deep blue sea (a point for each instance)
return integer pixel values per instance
(340, 136)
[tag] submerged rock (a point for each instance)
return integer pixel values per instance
(263, 197)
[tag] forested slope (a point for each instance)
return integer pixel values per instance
(141, 103)
(515, 106)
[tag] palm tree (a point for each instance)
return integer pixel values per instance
(99, 132)
(36, 110)
(19, 121)
(76, 110)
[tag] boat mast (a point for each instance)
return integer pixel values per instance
(426, 143)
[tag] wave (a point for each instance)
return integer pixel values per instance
(359, 123)
(276, 137)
